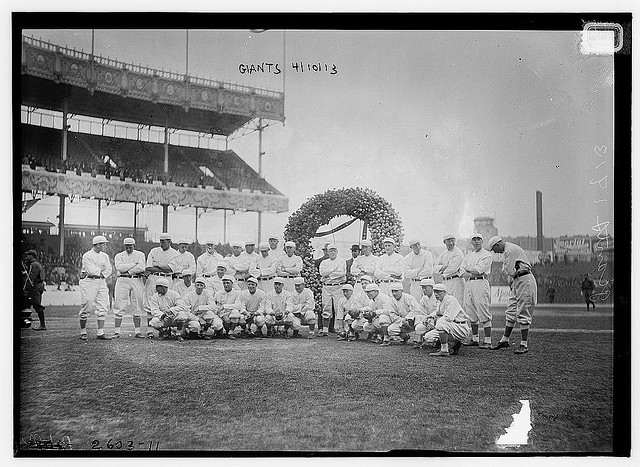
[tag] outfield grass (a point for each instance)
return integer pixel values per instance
(315, 395)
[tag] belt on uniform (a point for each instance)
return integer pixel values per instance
(450, 277)
(460, 322)
(163, 274)
(425, 277)
(209, 275)
(91, 276)
(238, 279)
(475, 278)
(519, 274)
(390, 280)
(333, 283)
(267, 278)
(132, 276)
(289, 277)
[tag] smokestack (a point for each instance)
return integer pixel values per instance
(539, 236)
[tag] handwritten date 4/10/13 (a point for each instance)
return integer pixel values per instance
(125, 444)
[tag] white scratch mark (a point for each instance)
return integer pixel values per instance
(517, 434)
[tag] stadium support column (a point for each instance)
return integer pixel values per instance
(61, 225)
(165, 207)
(135, 219)
(539, 239)
(99, 213)
(196, 225)
(260, 153)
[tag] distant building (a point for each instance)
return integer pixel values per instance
(36, 227)
(485, 227)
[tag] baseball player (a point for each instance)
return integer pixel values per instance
(430, 308)
(523, 295)
(228, 306)
(207, 262)
(183, 284)
(333, 272)
(350, 309)
(278, 303)
(389, 267)
(377, 314)
(239, 264)
(32, 289)
(290, 266)
(197, 310)
(405, 310)
(130, 265)
(94, 295)
(267, 266)
(304, 310)
(475, 269)
(251, 307)
(365, 264)
(453, 323)
(275, 252)
(157, 266)
(164, 305)
(216, 281)
(448, 265)
(181, 262)
(419, 265)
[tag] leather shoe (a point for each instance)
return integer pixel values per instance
(471, 344)
(439, 354)
(102, 337)
(500, 345)
(522, 349)
(41, 328)
(484, 346)
(455, 348)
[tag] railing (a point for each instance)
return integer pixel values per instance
(169, 75)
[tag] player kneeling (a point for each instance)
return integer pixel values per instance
(197, 311)
(164, 310)
(349, 311)
(453, 324)
(227, 305)
(377, 313)
(304, 310)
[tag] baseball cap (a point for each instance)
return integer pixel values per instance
(389, 240)
(184, 240)
(448, 237)
(187, 272)
(227, 277)
(372, 287)
(477, 235)
(332, 246)
(441, 287)
(210, 241)
(222, 264)
(273, 237)
(355, 247)
(396, 286)
(347, 287)
(493, 240)
(100, 239)
(290, 243)
(263, 246)
(427, 282)
(252, 280)
(32, 253)
(413, 242)
(279, 280)
(298, 280)
(165, 236)
(200, 280)
(366, 278)
(236, 243)
(250, 242)
(129, 241)
(163, 282)
(365, 243)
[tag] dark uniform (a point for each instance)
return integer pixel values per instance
(32, 289)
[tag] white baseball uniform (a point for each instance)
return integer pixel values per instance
(206, 266)
(452, 260)
(266, 272)
(477, 294)
(389, 269)
(304, 309)
(94, 294)
(166, 305)
(289, 268)
(524, 288)
(160, 258)
(363, 265)
(418, 267)
(334, 274)
(129, 286)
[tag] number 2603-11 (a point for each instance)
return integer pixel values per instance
(128, 445)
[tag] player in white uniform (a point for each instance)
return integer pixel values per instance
(267, 266)
(157, 266)
(275, 252)
(253, 257)
(94, 295)
(227, 302)
(164, 310)
(333, 272)
(251, 308)
(389, 267)
(239, 265)
(419, 265)
(277, 305)
(182, 261)
(207, 262)
(448, 265)
(351, 307)
(304, 310)
(183, 284)
(524, 292)
(130, 265)
(377, 314)
(453, 323)
(475, 269)
(363, 265)
(197, 310)
(429, 305)
(290, 266)
(405, 311)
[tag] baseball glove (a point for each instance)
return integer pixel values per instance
(279, 316)
(354, 313)
(369, 315)
(430, 323)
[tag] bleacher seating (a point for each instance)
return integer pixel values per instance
(139, 160)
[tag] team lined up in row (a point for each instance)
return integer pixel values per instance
(249, 293)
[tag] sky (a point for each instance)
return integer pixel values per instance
(445, 125)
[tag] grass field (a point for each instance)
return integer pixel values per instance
(316, 395)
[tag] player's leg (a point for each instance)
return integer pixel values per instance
(88, 293)
(510, 320)
(123, 290)
(526, 299)
(102, 308)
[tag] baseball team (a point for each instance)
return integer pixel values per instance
(251, 294)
